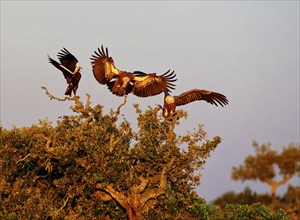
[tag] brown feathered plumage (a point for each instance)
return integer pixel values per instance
(70, 69)
(122, 83)
(170, 102)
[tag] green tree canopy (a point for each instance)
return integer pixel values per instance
(92, 165)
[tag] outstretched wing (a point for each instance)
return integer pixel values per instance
(67, 59)
(103, 66)
(150, 84)
(68, 63)
(197, 94)
(67, 74)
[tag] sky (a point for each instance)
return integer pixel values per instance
(246, 50)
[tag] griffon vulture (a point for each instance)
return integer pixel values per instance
(70, 68)
(170, 102)
(122, 83)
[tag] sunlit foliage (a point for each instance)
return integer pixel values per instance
(92, 165)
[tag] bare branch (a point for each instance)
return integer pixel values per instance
(119, 108)
(65, 203)
(105, 197)
(140, 188)
(58, 99)
(284, 180)
(119, 197)
(88, 102)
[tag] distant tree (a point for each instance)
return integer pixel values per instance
(291, 202)
(250, 212)
(263, 165)
(246, 197)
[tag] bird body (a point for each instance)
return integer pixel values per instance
(122, 83)
(70, 68)
(171, 102)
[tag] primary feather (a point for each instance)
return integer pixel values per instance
(171, 102)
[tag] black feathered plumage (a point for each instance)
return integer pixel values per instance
(70, 68)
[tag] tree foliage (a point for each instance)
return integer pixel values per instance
(290, 201)
(92, 165)
(263, 166)
(246, 197)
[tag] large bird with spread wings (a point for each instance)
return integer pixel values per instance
(122, 83)
(170, 102)
(70, 68)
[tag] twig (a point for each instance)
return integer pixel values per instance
(58, 99)
(119, 108)
(41, 177)
(88, 102)
(65, 203)
(24, 158)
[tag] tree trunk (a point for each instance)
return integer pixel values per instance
(139, 198)
(273, 191)
(274, 185)
(133, 213)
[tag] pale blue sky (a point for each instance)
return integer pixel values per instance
(247, 50)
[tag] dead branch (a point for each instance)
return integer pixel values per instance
(88, 102)
(120, 106)
(58, 99)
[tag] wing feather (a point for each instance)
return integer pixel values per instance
(67, 59)
(213, 98)
(68, 64)
(150, 84)
(67, 75)
(103, 66)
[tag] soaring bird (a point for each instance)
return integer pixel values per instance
(122, 83)
(170, 102)
(70, 68)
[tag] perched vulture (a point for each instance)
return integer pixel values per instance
(170, 102)
(70, 68)
(122, 83)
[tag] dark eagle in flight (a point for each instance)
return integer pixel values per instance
(170, 102)
(68, 64)
(122, 83)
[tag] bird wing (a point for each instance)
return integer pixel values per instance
(197, 94)
(150, 84)
(103, 66)
(67, 59)
(67, 74)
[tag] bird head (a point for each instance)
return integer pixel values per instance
(77, 68)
